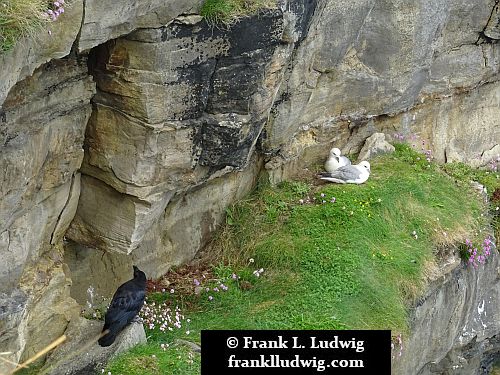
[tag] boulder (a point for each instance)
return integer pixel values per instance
(375, 145)
(82, 355)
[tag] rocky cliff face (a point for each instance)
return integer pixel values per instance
(127, 132)
(454, 326)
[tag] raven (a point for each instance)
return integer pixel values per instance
(125, 305)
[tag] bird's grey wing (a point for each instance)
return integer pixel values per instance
(345, 160)
(345, 173)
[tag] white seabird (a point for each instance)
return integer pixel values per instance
(349, 174)
(335, 160)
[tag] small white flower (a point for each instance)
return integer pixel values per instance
(251, 260)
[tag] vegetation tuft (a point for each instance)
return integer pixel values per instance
(226, 12)
(24, 18)
(303, 256)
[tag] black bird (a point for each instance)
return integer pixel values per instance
(125, 305)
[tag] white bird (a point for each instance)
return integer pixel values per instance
(335, 161)
(349, 174)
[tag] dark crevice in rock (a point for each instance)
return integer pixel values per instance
(491, 32)
(74, 48)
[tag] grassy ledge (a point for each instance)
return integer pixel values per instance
(226, 12)
(306, 255)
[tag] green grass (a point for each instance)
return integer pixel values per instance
(351, 264)
(488, 178)
(20, 18)
(229, 11)
(148, 360)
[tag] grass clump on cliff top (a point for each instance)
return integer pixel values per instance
(229, 11)
(23, 18)
(306, 255)
(19, 18)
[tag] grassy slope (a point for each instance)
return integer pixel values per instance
(354, 263)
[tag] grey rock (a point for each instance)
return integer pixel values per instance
(167, 117)
(105, 21)
(187, 224)
(375, 145)
(13, 313)
(41, 132)
(122, 222)
(191, 345)
(454, 337)
(30, 53)
(367, 59)
(491, 157)
(492, 29)
(180, 112)
(51, 308)
(42, 124)
(461, 68)
(81, 354)
(455, 129)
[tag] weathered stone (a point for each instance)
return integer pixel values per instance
(41, 132)
(226, 140)
(51, 310)
(82, 355)
(375, 145)
(364, 59)
(465, 23)
(169, 73)
(176, 120)
(110, 220)
(42, 126)
(54, 41)
(136, 158)
(491, 157)
(492, 29)
(68, 212)
(104, 20)
(167, 117)
(20, 245)
(454, 322)
(13, 312)
(461, 68)
(460, 128)
(187, 224)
